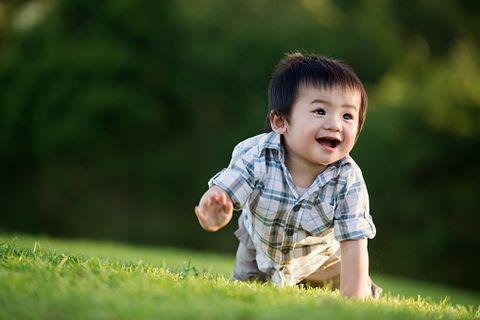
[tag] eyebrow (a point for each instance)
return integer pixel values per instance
(350, 106)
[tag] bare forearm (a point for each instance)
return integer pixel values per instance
(354, 269)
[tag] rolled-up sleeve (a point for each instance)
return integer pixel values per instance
(352, 219)
(238, 179)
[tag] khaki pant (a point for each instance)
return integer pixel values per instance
(328, 275)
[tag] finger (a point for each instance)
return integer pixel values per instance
(228, 207)
(217, 200)
(213, 193)
(200, 217)
(208, 202)
(199, 213)
(223, 199)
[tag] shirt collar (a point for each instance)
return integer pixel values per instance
(271, 140)
(332, 171)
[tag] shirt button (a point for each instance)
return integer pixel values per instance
(296, 207)
(289, 232)
(285, 250)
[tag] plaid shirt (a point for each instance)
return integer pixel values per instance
(296, 233)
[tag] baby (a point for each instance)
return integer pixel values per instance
(305, 209)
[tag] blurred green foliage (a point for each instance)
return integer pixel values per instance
(114, 115)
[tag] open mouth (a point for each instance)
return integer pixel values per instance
(329, 142)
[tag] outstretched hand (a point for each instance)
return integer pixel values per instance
(215, 209)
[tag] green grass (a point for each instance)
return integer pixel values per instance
(42, 278)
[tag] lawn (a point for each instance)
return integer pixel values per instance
(42, 278)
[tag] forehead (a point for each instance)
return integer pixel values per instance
(335, 95)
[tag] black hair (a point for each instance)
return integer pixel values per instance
(297, 69)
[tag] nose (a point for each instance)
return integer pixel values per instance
(332, 123)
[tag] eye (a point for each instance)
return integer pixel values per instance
(348, 116)
(319, 112)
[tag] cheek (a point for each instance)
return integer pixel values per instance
(351, 134)
(353, 129)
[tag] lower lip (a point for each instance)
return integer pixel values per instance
(327, 148)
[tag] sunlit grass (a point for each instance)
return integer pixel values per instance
(52, 279)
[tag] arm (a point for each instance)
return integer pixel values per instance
(230, 188)
(214, 210)
(354, 269)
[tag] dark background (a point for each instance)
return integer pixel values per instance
(114, 115)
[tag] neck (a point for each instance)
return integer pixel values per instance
(302, 173)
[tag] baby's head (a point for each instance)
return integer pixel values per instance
(297, 70)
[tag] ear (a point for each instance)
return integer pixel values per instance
(278, 123)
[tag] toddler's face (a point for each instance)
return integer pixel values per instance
(322, 126)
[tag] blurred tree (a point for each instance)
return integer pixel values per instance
(114, 115)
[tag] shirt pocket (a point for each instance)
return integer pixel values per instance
(318, 218)
(262, 204)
